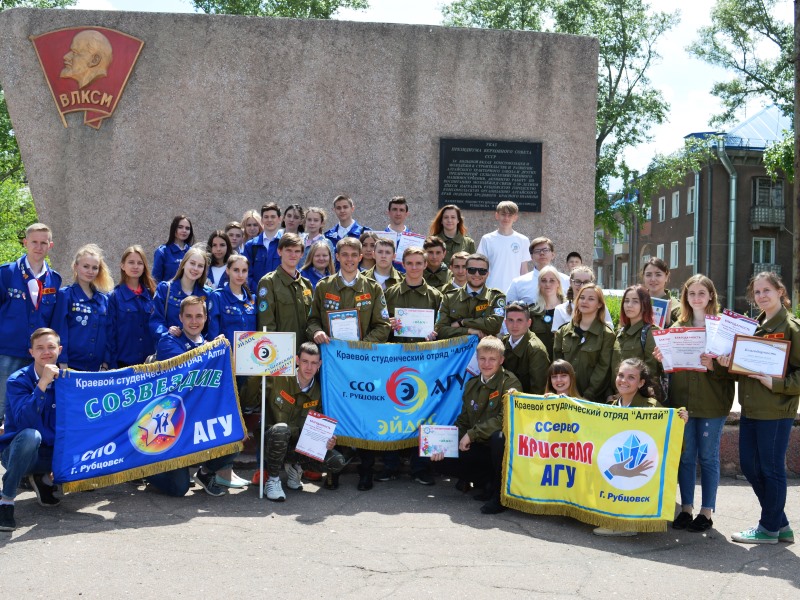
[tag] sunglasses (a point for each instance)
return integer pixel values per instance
(478, 270)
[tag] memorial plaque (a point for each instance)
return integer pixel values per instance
(478, 174)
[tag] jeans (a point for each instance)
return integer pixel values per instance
(8, 365)
(176, 482)
(762, 455)
(23, 456)
(701, 439)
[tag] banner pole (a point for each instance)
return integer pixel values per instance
(263, 412)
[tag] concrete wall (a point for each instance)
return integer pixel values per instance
(224, 113)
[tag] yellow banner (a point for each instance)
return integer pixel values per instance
(604, 465)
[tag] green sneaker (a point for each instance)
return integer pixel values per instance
(754, 536)
(786, 535)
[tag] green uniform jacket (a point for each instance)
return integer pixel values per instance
(283, 303)
(449, 287)
(638, 401)
(482, 405)
(457, 243)
(290, 405)
(485, 311)
(402, 296)
(591, 359)
(630, 346)
(395, 277)
(544, 331)
(705, 395)
(781, 403)
(529, 361)
(439, 278)
(366, 295)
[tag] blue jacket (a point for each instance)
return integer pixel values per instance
(19, 317)
(226, 314)
(355, 231)
(166, 260)
(161, 320)
(263, 259)
(130, 340)
(28, 407)
(170, 346)
(83, 324)
(313, 276)
(216, 284)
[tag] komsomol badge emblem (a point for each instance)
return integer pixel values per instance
(86, 69)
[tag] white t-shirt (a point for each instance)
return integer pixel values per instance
(506, 253)
(525, 288)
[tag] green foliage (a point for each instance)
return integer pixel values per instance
(16, 213)
(614, 305)
(296, 9)
(627, 104)
(747, 39)
(779, 157)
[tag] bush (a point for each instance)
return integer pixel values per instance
(16, 213)
(614, 304)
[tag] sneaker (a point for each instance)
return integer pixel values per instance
(294, 475)
(7, 522)
(275, 490)
(424, 478)
(235, 482)
(682, 521)
(701, 523)
(44, 492)
(754, 536)
(786, 535)
(386, 476)
(208, 481)
(332, 481)
(605, 532)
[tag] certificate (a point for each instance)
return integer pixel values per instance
(730, 325)
(660, 310)
(414, 322)
(758, 355)
(407, 240)
(712, 323)
(317, 430)
(344, 325)
(438, 438)
(263, 353)
(681, 348)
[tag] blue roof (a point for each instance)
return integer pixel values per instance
(755, 133)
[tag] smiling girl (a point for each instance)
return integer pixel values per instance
(550, 296)
(655, 277)
(635, 336)
(188, 281)
(220, 250)
(448, 225)
(318, 263)
(314, 226)
(81, 313)
(561, 379)
(168, 256)
(129, 307)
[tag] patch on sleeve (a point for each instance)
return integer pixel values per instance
(499, 312)
(494, 394)
(384, 314)
(287, 397)
(262, 306)
(262, 292)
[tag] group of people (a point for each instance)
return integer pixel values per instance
(541, 332)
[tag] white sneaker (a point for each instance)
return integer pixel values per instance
(275, 490)
(294, 474)
(603, 531)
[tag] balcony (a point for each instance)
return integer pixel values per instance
(758, 267)
(767, 216)
(621, 249)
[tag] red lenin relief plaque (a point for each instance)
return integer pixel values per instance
(87, 69)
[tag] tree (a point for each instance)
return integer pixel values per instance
(627, 104)
(296, 9)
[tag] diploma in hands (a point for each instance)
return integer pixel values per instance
(317, 430)
(757, 355)
(438, 438)
(344, 325)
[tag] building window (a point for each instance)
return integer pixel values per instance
(649, 212)
(767, 192)
(622, 237)
(598, 238)
(623, 275)
(662, 209)
(690, 250)
(645, 259)
(600, 276)
(764, 250)
(660, 251)
(691, 201)
(676, 204)
(673, 255)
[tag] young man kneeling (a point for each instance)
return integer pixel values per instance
(480, 427)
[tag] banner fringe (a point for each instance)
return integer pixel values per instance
(375, 445)
(584, 516)
(171, 363)
(152, 469)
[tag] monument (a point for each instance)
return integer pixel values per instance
(126, 119)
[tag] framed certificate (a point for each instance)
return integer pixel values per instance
(344, 325)
(757, 355)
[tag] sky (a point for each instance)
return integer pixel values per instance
(684, 81)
